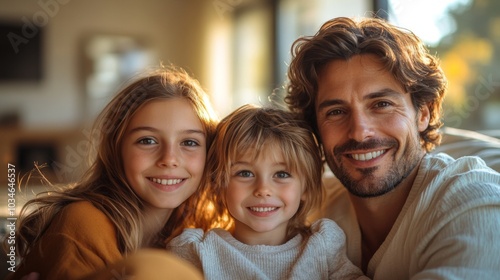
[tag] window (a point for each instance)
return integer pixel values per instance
(464, 35)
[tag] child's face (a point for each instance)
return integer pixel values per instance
(262, 196)
(164, 150)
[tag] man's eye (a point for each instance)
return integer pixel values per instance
(147, 141)
(334, 112)
(244, 173)
(382, 104)
(190, 143)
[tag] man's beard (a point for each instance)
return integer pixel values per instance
(370, 185)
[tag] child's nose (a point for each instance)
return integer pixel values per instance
(262, 189)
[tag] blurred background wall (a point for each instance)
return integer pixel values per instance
(62, 60)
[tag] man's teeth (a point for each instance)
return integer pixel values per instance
(166, 181)
(367, 156)
(263, 209)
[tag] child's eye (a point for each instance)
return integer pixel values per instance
(147, 141)
(190, 143)
(244, 173)
(282, 174)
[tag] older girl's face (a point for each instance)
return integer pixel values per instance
(164, 151)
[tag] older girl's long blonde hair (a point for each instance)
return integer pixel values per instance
(104, 184)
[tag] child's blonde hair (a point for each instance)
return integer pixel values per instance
(105, 185)
(251, 128)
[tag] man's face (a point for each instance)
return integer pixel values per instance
(368, 125)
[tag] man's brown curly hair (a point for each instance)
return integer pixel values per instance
(402, 53)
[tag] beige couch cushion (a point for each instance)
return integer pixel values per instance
(458, 143)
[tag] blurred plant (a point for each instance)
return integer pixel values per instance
(471, 60)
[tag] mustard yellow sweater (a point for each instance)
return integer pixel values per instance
(79, 241)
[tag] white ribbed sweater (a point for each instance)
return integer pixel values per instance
(220, 256)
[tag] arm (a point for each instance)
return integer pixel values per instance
(186, 246)
(333, 242)
(80, 240)
(466, 247)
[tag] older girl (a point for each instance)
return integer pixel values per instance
(152, 143)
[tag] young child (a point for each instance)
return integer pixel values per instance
(152, 143)
(265, 168)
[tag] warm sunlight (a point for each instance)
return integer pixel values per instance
(426, 18)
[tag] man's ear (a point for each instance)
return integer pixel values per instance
(423, 118)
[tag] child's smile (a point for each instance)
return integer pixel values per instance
(263, 195)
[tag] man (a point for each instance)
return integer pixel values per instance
(372, 94)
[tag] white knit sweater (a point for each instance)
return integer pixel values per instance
(220, 256)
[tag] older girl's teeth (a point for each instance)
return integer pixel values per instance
(367, 156)
(263, 209)
(166, 181)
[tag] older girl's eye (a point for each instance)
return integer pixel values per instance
(244, 173)
(190, 143)
(147, 141)
(283, 174)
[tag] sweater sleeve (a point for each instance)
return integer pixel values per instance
(465, 245)
(187, 246)
(80, 240)
(334, 241)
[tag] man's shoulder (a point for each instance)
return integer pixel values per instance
(336, 199)
(460, 143)
(333, 187)
(460, 174)
(463, 169)
(446, 184)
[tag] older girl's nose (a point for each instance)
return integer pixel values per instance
(169, 157)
